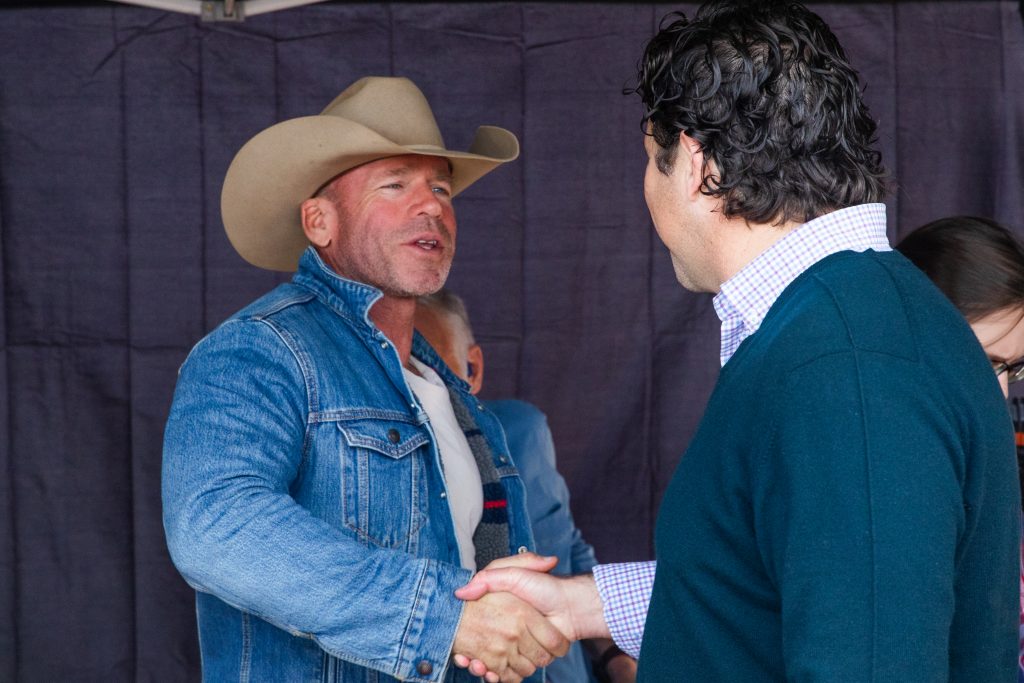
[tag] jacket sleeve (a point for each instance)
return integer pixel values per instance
(233, 447)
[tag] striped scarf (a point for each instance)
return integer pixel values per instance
(491, 537)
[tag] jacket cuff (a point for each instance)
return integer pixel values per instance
(427, 644)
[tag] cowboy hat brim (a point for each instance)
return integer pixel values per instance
(287, 163)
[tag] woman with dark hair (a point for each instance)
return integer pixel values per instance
(979, 265)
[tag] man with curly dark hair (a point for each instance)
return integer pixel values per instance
(846, 510)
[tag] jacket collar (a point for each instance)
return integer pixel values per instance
(353, 300)
(349, 298)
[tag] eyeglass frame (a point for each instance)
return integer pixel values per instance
(1014, 371)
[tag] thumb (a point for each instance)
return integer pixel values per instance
(504, 580)
(474, 590)
(490, 579)
(531, 561)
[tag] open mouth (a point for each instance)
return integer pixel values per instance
(426, 245)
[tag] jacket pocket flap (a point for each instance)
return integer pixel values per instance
(393, 439)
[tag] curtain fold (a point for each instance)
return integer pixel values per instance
(117, 124)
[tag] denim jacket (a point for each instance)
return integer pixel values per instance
(304, 498)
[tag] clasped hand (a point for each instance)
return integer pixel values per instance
(518, 618)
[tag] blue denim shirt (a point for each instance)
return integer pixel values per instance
(304, 498)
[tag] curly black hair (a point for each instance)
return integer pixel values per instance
(765, 89)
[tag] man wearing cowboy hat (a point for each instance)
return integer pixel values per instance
(327, 482)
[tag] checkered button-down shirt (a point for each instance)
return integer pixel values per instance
(741, 305)
(745, 298)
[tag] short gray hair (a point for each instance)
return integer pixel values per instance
(451, 304)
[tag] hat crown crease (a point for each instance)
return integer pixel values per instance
(392, 107)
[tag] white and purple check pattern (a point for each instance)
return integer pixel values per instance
(745, 298)
(741, 305)
(625, 590)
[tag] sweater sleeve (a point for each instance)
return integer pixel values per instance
(857, 512)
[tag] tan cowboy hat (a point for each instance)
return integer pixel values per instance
(286, 164)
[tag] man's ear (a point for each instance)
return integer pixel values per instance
(691, 154)
(319, 220)
(475, 368)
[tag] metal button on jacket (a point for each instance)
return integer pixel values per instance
(393, 435)
(424, 668)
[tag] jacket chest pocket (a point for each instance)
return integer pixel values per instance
(383, 482)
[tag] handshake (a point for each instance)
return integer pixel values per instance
(519, 618)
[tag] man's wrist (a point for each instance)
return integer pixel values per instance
(586, 607)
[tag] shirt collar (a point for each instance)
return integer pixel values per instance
(745, 298)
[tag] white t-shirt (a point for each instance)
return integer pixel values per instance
(462, 477)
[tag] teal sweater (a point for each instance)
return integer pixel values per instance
(848, 509)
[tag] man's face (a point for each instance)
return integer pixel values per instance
(395, 224)
(452, 341)
(439, 331)
(672, 213)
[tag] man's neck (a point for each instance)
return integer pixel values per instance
(394, 317)
(743, 242)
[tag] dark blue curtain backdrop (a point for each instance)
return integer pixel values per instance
(116, 126)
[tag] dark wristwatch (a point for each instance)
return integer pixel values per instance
(600, 665)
